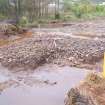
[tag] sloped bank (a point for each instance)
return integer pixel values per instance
(31, 52)
(90, 92)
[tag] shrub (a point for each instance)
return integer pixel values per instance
(100, 8)
(33, 24)
(84, 9)
(2, 17)
(23, 21)
(57, 16)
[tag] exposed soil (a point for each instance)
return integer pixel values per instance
(80, 44)
(7, 39)
(90, 92)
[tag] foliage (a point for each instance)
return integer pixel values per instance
(57, 16)
(23, 21)
(2, 17)
(37, 11)
(84, 8)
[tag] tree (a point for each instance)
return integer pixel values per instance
(32, 9)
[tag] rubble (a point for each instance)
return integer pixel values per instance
(31, 52)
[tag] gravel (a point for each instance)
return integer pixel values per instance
(32, 52)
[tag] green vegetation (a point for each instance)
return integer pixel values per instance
(34, 12)
(23, 21)
(83, 9)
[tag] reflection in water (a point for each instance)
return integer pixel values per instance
(37, 94)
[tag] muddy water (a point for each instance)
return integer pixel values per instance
(52, 84)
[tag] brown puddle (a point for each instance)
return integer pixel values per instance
(52, 84)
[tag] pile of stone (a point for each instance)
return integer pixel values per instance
(31, 52)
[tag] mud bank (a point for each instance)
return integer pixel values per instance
(47, 85)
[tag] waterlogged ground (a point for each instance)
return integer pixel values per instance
(47, 85)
